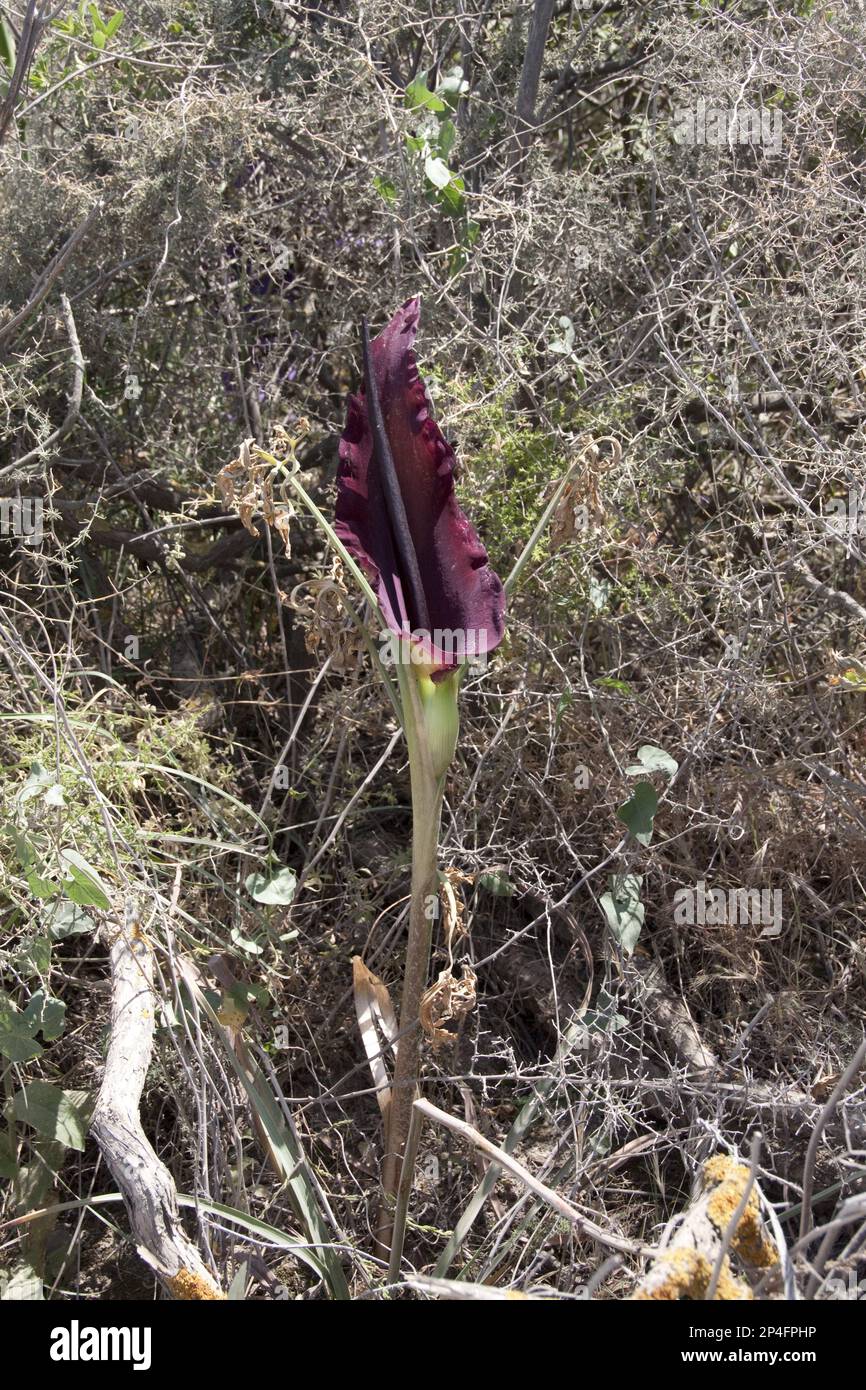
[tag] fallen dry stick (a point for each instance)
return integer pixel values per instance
(576, 1218)
(671, 1016)
(147, 1186)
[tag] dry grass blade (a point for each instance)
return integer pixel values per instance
(461, 1291)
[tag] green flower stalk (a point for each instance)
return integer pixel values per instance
(429, 757)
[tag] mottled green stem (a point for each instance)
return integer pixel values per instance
(427, 791)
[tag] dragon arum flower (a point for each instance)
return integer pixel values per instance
(398, 516)
(398, 519)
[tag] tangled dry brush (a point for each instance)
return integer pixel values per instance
(638, 231)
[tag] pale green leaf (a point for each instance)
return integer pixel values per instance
(60, 1115)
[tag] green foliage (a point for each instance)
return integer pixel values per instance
(639, 811)
(652, 759)
(276, 890)
(498, 883)
(624, 910)
(509, 464)
(54, 1113)
(69, 39)
(16, 1032)
(7, 44)
(430, 145)
(89, 24)
(419, 96)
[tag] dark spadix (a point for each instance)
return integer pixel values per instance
(398, 516)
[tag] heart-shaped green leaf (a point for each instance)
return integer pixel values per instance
(653, 759)
(418, 95)
(34, 957)
(45, 1015)
(276, 891)
(65, 918)
(16, 1038)
(638, 812)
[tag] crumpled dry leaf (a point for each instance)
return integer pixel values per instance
(453, 924)
(326, 621)
(581, 506)
(284, 446)
(448, 1001)
(281, 524)
(246, 485)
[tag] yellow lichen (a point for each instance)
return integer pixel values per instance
(729, 1180)
(685, 1275)
(187, 1285)
(730, 1289)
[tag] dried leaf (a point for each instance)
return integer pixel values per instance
(282, 525)
(823, 1088)
(378, 1024)
(453, 925)
(448, 1001)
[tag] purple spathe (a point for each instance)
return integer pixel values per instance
(461, 593)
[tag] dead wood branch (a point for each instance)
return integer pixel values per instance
(530, 77)
(36, 21)
(77, 519)
(582, 1224)
(147, 1186)
(695, 1258)
(671, 1015)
